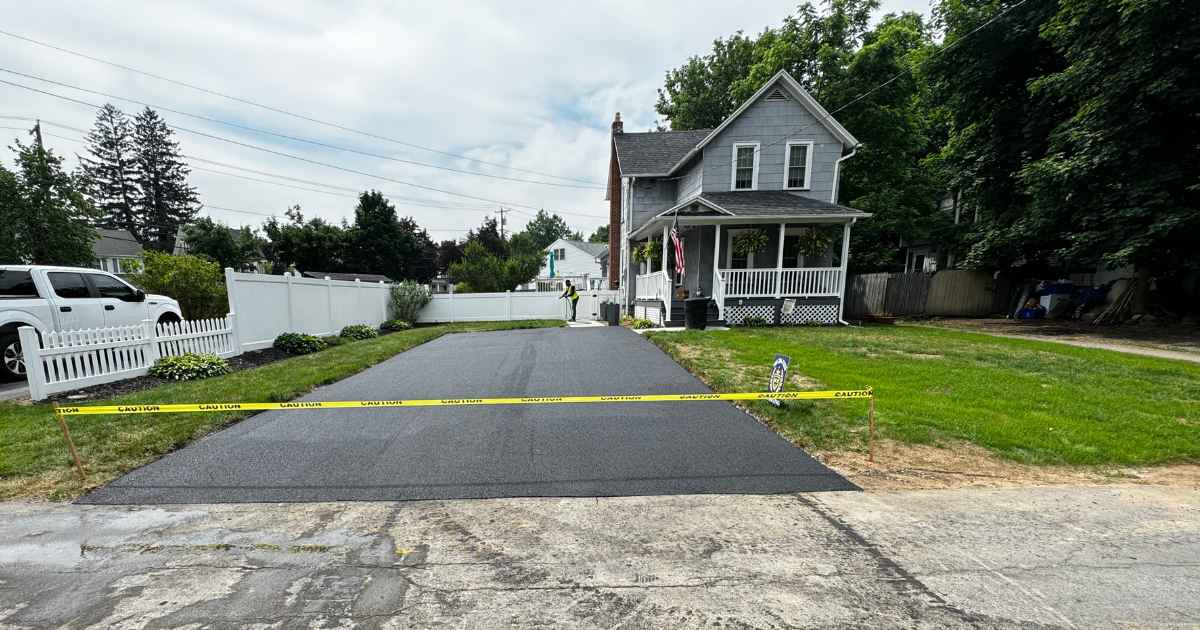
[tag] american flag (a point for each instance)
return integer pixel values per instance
(678, 244)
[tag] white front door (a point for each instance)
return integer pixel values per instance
(118, 300)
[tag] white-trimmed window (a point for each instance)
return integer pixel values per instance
(797, 161)
(745, 166)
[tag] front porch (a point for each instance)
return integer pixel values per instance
(795, 275)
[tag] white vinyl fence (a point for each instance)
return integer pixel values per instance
(60, 361)
(510, 306)
(277, 304)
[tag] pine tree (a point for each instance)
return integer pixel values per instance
(165, 200)
(46, 214)
(112, 170)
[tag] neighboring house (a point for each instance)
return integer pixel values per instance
(116, 251)
(573, 260)
(768, 173)
(350, 277)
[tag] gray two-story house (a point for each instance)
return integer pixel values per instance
(755, 205)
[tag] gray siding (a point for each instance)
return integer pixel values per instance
(651, 197)
(691, 181)
(772, 124)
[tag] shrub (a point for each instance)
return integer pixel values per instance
(359, 332)
(299, 343)
(334, 340)
(198, 284)
(754, 322)
(189, 367)
(642, 323)
(395, 325)
(408, 298)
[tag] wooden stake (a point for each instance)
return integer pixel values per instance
(871, 432)
(62, 423)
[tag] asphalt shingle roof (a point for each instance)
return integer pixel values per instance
(350, 277)
(655, 152)
(115, 243)
(776, 203)
(595, 249)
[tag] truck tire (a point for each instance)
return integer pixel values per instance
(12, 362)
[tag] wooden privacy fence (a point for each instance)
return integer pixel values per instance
(952, 293)
(60, 361)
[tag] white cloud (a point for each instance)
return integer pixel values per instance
(528, 84)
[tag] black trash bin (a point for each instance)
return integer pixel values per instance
(695, 313)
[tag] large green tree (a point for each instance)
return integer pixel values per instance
(237, 248)
(1120, 178)
(307, 245)
(382, 243)
(165, 200)
(111, 169)
(481, 271)
(44, 212)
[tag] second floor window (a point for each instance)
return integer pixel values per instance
(745, 166)
(560, 254)
(797, 165)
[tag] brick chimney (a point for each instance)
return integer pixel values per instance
(614, 208)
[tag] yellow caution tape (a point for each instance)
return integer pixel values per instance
(456, 402)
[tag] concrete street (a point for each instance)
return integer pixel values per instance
(1056, 557)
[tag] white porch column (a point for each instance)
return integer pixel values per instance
(716, 258)
(716, 280)
(845, 261)
(779, 262)
(668, 284)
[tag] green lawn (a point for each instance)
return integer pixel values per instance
(1032, 401)
(34, 463)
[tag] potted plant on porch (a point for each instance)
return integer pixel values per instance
(750, 242)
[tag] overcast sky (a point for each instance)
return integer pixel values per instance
(524, 85)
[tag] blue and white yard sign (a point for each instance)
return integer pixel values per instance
(778, 376)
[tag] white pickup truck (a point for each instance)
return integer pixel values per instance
(68, 298)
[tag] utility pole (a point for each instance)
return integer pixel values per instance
(502, 211)
(37, 134)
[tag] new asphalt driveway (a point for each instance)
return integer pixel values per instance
(489, 451)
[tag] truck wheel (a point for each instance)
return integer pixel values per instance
(168, 318)
(12, 362)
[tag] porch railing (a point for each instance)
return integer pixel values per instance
(799, 282)
(651, 286)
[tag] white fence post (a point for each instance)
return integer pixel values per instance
(150, 332)
(230, 290)
(290, 316)
(235, 338)
(34, 370)
(329, 302)
(508, 306)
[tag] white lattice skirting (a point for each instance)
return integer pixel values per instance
(652, 313)
(809, 313)
(736, 315)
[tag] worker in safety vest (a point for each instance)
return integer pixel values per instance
(571, 294)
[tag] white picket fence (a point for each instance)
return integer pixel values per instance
(60, 361)
(510, 306)
(277, 304)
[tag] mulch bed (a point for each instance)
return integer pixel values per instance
(243, 361)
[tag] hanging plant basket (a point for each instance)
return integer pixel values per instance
(814, 241)
(750, 242)
(648, 252)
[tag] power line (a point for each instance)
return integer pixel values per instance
(295, 138)
(283, 111)
(302, 158)
(401, 200)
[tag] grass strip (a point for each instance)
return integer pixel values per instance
(1032, 401)
(34, 463)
